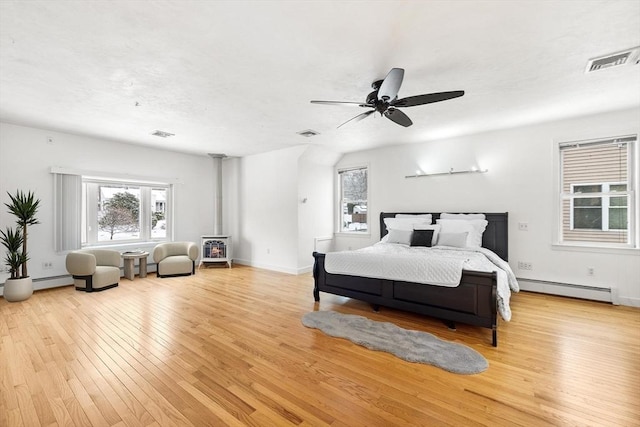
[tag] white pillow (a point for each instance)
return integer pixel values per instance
(457, 240)
(434, 227)
(426, 217)
(405, 223)
(474, 227)
(400, 236)
(462, 216)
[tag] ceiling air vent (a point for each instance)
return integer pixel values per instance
(629, 56)
(308, 133)
(162, 134)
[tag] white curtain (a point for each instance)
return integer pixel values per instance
(67, 211)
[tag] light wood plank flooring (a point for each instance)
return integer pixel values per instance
(226, 347)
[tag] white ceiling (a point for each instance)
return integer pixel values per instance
(236, 77)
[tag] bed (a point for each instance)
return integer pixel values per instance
(473, 301)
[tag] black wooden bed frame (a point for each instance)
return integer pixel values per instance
(473, 301)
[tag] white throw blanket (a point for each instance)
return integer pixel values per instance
(440, 266)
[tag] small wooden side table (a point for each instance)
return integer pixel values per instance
(129, 261)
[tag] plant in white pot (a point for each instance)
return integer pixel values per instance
(23, 206)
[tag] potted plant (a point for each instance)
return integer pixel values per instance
(19, 286)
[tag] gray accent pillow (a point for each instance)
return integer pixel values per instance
(400, 236)
(456, 240)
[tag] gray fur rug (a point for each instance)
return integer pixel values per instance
(413, 346)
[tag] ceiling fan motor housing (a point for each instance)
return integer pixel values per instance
(372, 97)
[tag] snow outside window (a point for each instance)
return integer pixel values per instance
(122, 212)
(353, 200)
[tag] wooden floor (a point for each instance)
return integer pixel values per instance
(226, 347)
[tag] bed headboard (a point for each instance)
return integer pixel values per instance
(495, 237)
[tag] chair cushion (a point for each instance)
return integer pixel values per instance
(167, 249)
(103, 276)
(178, 264)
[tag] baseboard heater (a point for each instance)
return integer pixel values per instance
(46, 279)
(323, 244)
(570, 290)
(49, 282)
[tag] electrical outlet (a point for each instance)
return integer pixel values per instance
(523, 226)
(591, 271)
(525, 265)
(47, 265)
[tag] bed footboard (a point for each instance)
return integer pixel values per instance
(472, 302)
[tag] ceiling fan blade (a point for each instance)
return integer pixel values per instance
(361, 104)
(412, 101)
(358, 117)
(391, 85)
(398, 116)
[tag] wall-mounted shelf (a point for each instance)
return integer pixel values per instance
(451, 172)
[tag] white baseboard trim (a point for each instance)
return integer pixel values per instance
(631, 302)
(272, 267)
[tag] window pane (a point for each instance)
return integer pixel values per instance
(618, 201)
(587, 218)
(118, 213)
(158, 213)
(617, 218)
(588, 201)
(354, 185)
(587, 188)
(586, 169)
(353, 209)
(83, 225)
(358, 216)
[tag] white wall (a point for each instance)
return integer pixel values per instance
(315, 216)
(26, 159)
(268, 210)
(272, 228)
(520, 181)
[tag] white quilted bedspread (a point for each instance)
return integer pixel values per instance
(439, 266)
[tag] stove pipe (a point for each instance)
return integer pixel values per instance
(217, 192)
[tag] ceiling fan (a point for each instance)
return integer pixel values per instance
(384, 99)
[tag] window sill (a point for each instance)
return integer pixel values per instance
(595, 249)
(352, 234)
(124, 246)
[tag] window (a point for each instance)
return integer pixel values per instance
(597, 195)
(353, 200)
(123, 212)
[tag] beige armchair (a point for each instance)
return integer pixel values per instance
(94, 269)
(175, 258)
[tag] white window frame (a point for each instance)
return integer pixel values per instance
(633, 212)
(89, 223)
(605, 195)
(340, 200)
